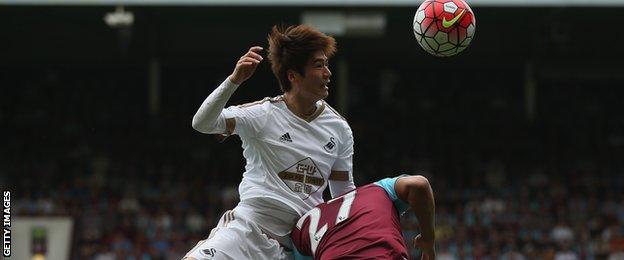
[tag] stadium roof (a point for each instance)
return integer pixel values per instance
(501, 3)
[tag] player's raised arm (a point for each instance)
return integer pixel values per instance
(207, 119)
(417, 192)
(246, 65)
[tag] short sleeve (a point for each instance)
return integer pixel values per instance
(388, 185)
(344, 162)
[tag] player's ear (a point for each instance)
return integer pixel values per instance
(291, 75)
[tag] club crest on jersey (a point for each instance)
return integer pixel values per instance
(303, 178)
(330, 145)
(209, 252)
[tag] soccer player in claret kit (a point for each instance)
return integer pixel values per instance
(364, 223)
(295, 146)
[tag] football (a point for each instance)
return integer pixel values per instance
(444, 27)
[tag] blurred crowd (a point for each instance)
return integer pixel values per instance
(141, 184)
(151, 209)
(530, 216)
(493, 215)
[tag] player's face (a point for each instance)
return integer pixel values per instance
(313, 85)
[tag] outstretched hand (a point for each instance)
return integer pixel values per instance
(426, 247)
(246, 65)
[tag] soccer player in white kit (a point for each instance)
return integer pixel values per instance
(295, 146)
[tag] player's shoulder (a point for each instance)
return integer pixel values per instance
(332, 112)
(260, 107)
(339, 123)
(263, 103)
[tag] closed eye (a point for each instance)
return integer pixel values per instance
(320, 65)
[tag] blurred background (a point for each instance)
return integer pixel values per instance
(521, 135)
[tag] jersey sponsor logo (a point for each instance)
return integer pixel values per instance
(303, 178)
(286, 138)
(330, 145)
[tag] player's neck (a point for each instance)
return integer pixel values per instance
(300, 106)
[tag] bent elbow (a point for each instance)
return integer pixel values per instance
(419, 183)
(197, 125)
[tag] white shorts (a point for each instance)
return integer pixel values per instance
(236, 238)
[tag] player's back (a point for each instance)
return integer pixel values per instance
(362, 224)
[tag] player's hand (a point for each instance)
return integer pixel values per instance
(246, 65)
(426, 247)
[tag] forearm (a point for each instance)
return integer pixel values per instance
(421, 200)
(205, 119)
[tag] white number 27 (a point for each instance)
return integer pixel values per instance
(315, 215)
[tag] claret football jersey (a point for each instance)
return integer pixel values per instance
(361, 224)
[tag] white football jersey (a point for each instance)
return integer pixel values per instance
(289, 159)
